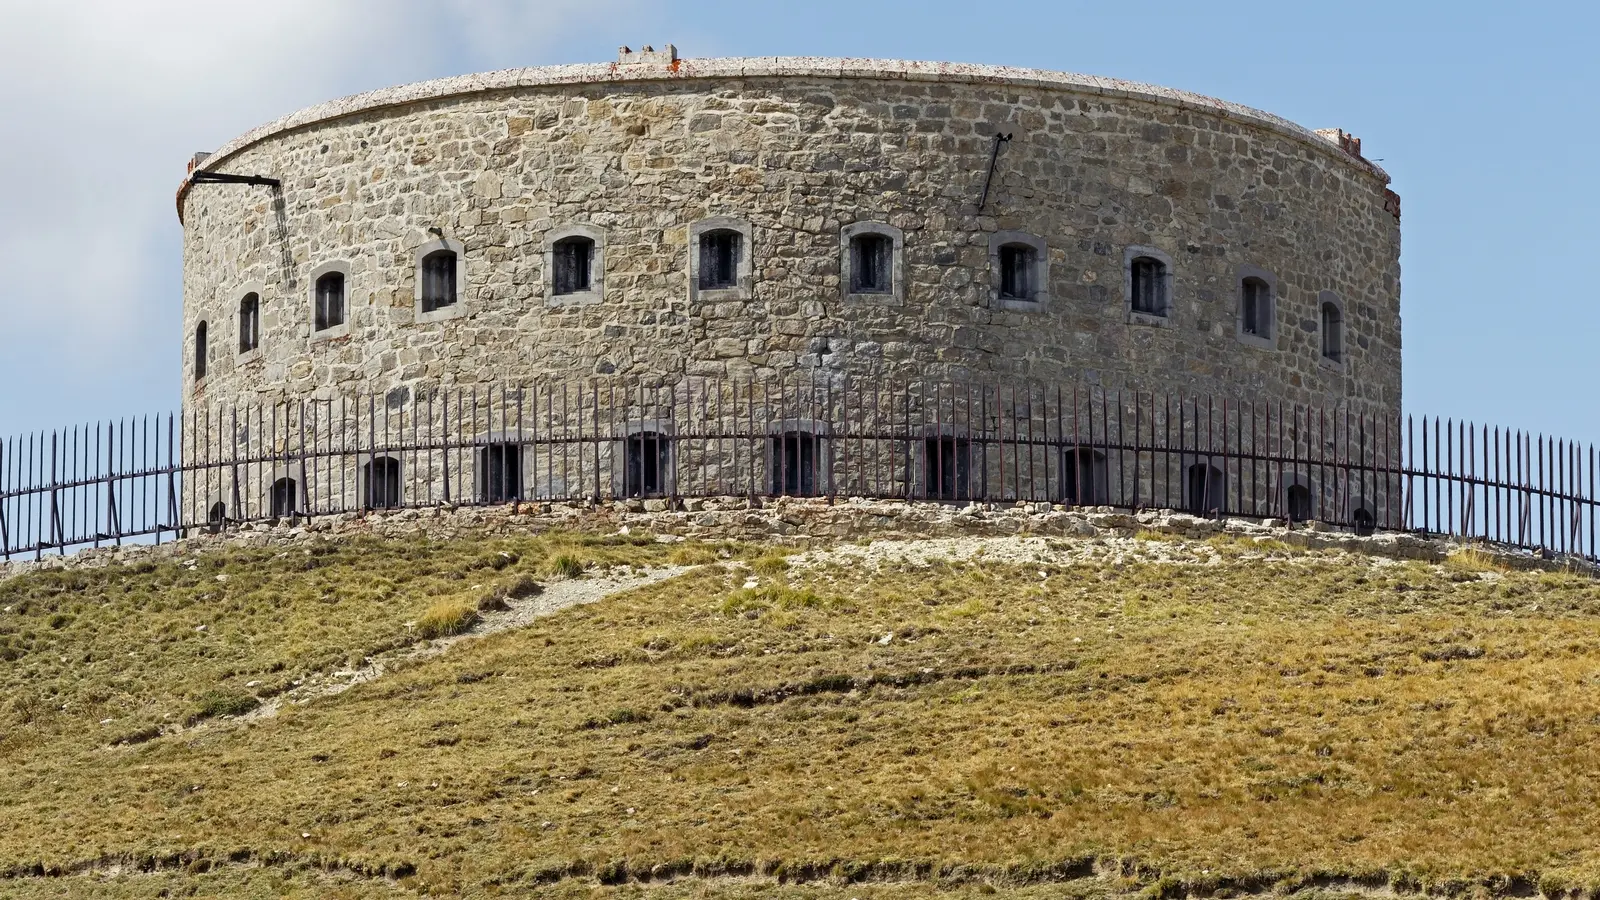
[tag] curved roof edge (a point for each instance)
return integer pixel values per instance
(768, 67)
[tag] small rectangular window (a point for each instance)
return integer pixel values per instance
(438, 280)
(1255, 300)
(1332, 333)
(1016, 272)
(200, 350)
(794, 464)
(573, 262)
(500, 473)
(872, 264)
(648, 461)
(948, 466)
(1149, 284)
(330, 301)
(383, 483)
(285, 498)
(719, 260)
(249, 323)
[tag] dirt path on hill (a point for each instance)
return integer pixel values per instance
(556, 596)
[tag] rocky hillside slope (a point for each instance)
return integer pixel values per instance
(576, 714)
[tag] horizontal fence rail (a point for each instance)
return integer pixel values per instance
(216, 467)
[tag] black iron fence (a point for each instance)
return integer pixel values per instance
(214, 467)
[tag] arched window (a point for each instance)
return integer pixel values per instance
(720, 253)
(330, 301)
(1297, 503)
(794, 464)
(1207, 489)
(200, 351)
(1084, 480)
(217, 517)
(284, 501)
(249, 322)
(872, 264)
(648, 464)
(1332, 331)
(1365, 522)
(381, 482)
(1019, 271)
(573, 258)
(438, 280)
(500, 473)
(1148, 279)
(947, 465)
(1255, 308)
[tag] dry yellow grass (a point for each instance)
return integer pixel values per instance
(93, 656)
(446, 618)
(955, 728)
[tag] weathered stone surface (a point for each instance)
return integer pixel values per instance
(798, 523)
(800, 149)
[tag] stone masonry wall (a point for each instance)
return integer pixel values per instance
(800, 156)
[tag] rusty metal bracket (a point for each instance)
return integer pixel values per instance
(994, 160)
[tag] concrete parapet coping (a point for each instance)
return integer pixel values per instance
(780, 67)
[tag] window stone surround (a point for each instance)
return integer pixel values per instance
(246, 357)
(1169, 277)
(1039, 278)
(743, 288)
(1339, 365)
(597, 266)
(1270, 341)
(455, 310)
(342, 329)
(896, 295)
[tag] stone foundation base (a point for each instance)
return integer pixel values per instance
(801, 523)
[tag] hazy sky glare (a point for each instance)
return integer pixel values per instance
(1484, 114)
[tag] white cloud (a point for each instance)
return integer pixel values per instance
(107, 99)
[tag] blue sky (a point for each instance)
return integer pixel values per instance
(1484, 114)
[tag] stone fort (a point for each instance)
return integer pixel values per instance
(762, 217)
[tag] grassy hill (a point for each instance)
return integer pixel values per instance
(1041, 719)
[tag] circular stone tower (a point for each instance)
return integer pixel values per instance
(669, 217)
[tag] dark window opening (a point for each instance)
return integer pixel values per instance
(330, 301)
(284, 501)
(648, 461)
(1365, 522)
(1016, 272)
(499, 473)
(249, 323)
(217, 517)
(871, 264)
(719, 260)
(1084, 479)
(948, 468)
(1298, 503)
(1149, 278)
(1207, 489)
(1332, 332)
(574, 262)
(382, 477)
(200, 351)
(438, 280)
(1256, 308)
(794, 464)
